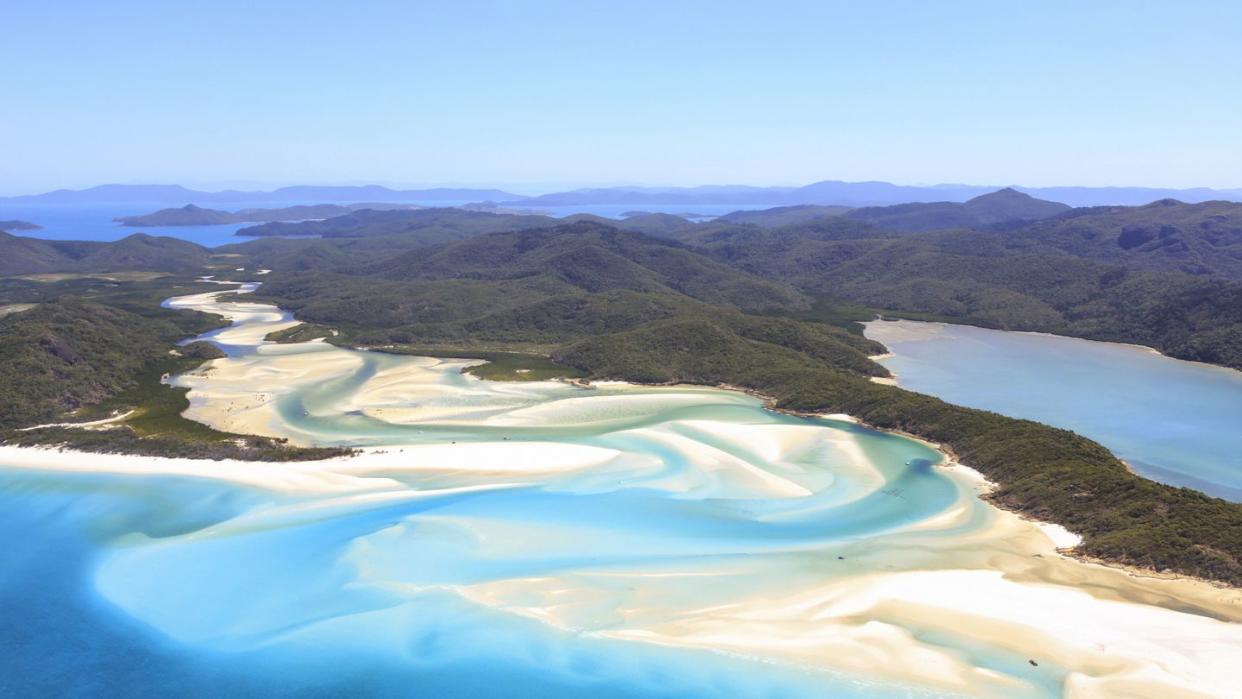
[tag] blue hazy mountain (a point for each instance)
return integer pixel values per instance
(825, 193)
(176, 194)
(858, 194)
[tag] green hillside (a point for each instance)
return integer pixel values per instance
(1003, 206)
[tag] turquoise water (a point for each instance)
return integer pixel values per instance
(517, 540)
(268, 616)
(132, 585)
(1175, 422)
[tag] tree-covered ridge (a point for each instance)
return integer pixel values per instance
(783, 215)
(593, 258)
(63, 355)
(89, 349)
(1005, 206)
(191, 215)
(1167, 235)
(995, 279)
(433, 225)
(20, 255)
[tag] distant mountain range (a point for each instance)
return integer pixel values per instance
(178, 195)
(859, 194)
(826, 193)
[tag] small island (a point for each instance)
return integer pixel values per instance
(10, 226)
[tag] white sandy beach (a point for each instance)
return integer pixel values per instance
(909, 607)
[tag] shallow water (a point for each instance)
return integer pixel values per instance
(537, 539)
(1173, 421)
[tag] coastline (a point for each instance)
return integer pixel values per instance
(245, 409)
(250, 321)
(1145, 349)
(984, 585)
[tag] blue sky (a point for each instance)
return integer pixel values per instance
(540, 95)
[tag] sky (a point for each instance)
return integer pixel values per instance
(538, 96)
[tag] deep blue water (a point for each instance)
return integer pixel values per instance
(95, 221)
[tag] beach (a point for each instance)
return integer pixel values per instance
(679, 517)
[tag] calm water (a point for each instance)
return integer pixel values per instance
(1173, 421)
(530, 540)
(413, 583)
(95, 222)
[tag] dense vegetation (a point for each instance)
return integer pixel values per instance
(997, 279)
(19, 255)
(432, 225)
(88, 350)
(191, 215)
(61, 356)
(1006, 206)
(783, 215)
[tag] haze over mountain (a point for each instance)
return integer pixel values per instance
(1004, 206)
(856, 194)
(824, 193)
(191, 215)
(442, 223)
(176, 194)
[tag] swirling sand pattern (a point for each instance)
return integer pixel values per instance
(546, 539)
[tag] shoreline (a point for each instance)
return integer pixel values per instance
(1145, 349)
(950, 462)
(975, 570)
(949, 458)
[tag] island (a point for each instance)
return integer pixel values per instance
(10, 226)
(191, 215)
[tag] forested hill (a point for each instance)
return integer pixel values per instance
(1004, 206)
(1202, 239)
(432, 225)
(19, 255)
(998, 279)
(191, 215)
(594, 258)
(61, 356)
(783, 215)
